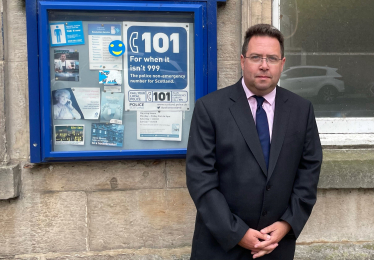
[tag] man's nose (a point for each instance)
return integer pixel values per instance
(264, 63)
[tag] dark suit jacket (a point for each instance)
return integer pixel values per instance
(227, 176)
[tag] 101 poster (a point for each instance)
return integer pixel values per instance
(156, 66)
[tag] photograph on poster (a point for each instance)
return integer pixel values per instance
(67, 33)
(111, 107)
(156, 66)
(110, 77)
(107, 134)
(76, 103)
(65, 105)
(99, 38)
(159, 125)
(66, 63)
(69, 134)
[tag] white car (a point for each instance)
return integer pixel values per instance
(313, 81)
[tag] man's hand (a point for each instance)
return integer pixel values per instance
(276, 231)
(252, 238)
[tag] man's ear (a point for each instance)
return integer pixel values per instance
(242, 60)
(283, 62)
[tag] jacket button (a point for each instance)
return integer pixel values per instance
(264, 213)
(268, 187)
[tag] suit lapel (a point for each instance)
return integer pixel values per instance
(242, 114)
(281, 115)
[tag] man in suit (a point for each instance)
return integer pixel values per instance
(62, 65)
(253, 160)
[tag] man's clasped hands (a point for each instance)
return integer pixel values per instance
(266, 240)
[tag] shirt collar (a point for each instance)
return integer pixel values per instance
(270, 97)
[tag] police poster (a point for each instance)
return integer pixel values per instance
(156, 66)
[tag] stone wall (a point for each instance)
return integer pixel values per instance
(141, 210)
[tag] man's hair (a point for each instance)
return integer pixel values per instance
(262, 30)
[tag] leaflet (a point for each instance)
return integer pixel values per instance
(110, 77)
(66, 33)
(111, 107)
(69, 135)
(66, 64)
(100, 36)
(159, 125)
(107, 134)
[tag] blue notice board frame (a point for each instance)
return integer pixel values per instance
(205, 22)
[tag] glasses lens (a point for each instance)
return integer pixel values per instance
(255, 59)
(273, 60)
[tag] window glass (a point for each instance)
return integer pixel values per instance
(121, 80)
(331, 42)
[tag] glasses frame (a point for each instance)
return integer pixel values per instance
(262, 58)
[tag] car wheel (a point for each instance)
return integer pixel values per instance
(327, 94)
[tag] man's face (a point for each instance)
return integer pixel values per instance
(63, 57)
(261, 78)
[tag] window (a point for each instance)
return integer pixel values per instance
(329, 58)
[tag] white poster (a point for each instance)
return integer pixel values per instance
(159, 125)
(88, 100)
(100, 36)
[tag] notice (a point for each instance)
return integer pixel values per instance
(110, 77)
(159, 125)
(66, 63)
(112, 88)
(111, 107)
(76, 103)
(107, 134)
(100, 36)
(69, 135)
(66, 33)
(156, 66)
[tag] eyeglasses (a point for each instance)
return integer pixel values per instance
(273, 60)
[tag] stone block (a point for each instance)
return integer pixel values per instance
(266, 11)
(337, 251)
(140, 218)
(3, 157)
(10, 181)
(17, 113)
(2, 35)
(93, 176)
(255, 12)
(176, 173)
(352, 168)
(41, 223)
(228, 73)
(229, 31)
(127, 254)
(341, 215)
(15, 31)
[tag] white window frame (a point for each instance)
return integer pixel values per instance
(337, 131)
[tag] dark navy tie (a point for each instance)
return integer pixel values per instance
(262, 127)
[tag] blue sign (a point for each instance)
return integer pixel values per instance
(66, 33)
(157, 57)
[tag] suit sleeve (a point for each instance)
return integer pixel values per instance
(203, 182)
(304, 193)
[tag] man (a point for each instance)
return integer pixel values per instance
(61, 65)
(253, 160)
